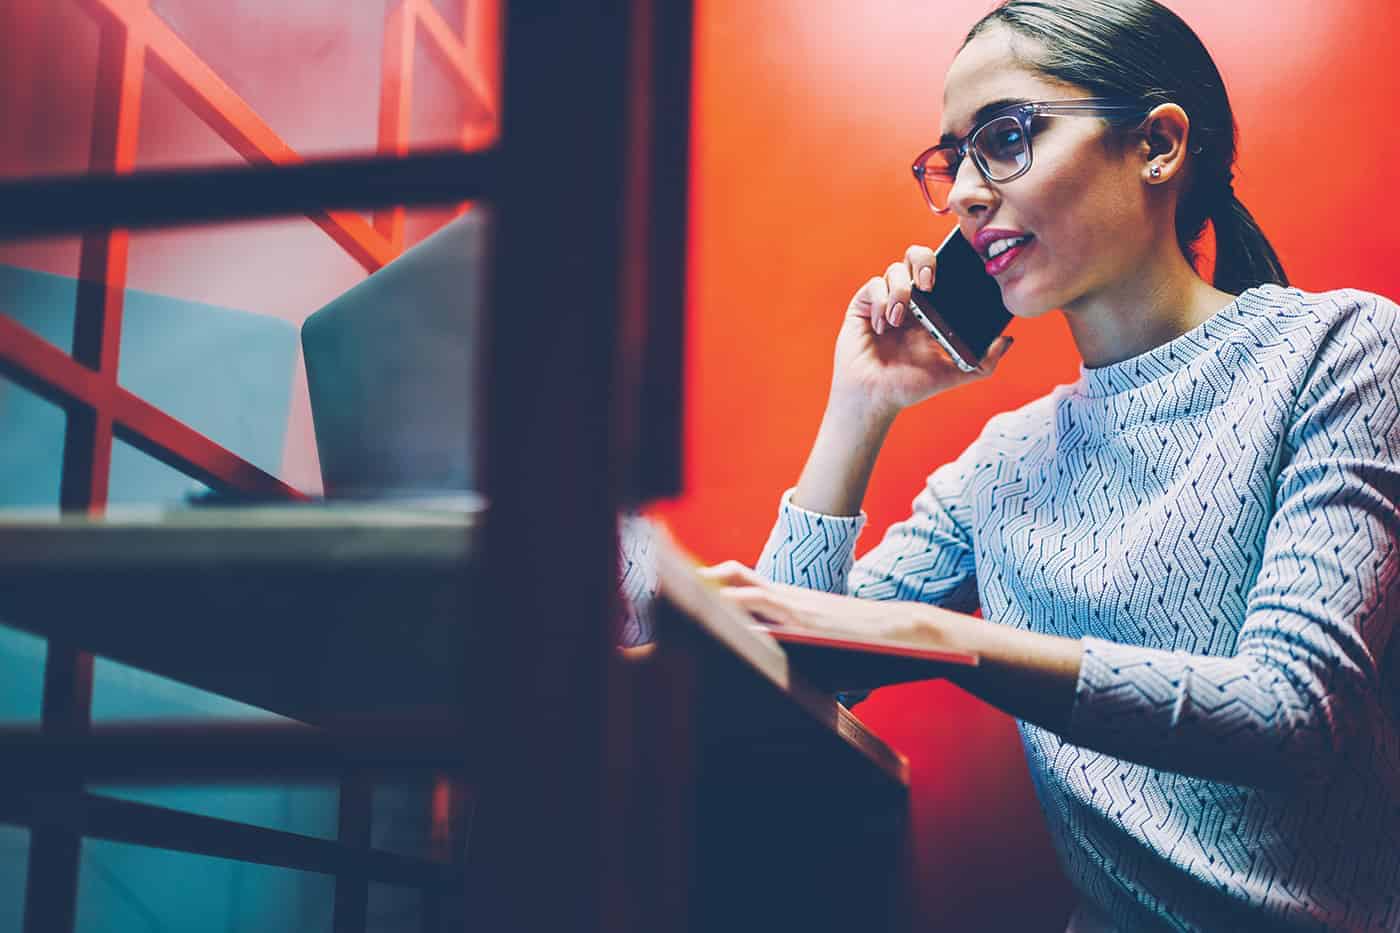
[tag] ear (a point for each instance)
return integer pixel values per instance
(1166, 133)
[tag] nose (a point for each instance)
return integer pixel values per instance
(971, 193)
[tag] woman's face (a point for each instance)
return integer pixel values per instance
(1082, 202)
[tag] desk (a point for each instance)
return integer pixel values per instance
(746, 794)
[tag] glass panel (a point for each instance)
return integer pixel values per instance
(140, 479)
(210, 322)
(124, 693)
(401, 819)
(455, 13)
(14, 873)
(126, 887)
(31, 456)
(393, 909)
(21, 678)
(48, 61)
(308, 810)
(421, 818)
(32, 295)
(305, 76)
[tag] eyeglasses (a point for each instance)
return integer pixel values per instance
(1001, 146)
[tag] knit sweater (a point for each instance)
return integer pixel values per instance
(1216, 521)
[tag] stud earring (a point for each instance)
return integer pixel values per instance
(1156, 171)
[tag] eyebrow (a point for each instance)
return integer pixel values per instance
(983, 112)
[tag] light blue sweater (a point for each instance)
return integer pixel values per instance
(1217, 520)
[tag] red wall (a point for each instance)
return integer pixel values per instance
(807, 116)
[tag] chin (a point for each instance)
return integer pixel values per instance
(1026, 303)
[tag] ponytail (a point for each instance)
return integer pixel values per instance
(1243, 255)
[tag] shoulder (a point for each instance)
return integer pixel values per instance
(1351, 330)
(1314, 340)
(1339, 316)
(1018, 433)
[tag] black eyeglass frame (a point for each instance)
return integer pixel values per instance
(1107, 107)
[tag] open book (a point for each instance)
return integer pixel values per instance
(849, 663)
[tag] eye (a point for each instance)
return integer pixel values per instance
(1002, 140)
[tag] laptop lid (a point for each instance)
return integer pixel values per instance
(394, 369)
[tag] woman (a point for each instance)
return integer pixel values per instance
(1186, 559)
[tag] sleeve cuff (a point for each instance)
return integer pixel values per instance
(811, 549)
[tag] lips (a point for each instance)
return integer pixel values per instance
(985, 239)
(999, 263)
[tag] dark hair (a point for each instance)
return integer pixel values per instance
(1139, 49)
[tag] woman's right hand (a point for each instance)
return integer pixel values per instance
(885, 360)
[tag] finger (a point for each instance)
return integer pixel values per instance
(759, 603)
(731, 573)
(879, 303)
(898, 282)
(921, 263)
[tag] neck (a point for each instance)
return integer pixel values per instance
(1163, 299)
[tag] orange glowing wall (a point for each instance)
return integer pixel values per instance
(806, 118)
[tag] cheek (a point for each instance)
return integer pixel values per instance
(1086, 219)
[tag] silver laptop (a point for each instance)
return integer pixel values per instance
(394, 368)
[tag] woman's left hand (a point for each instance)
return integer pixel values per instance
(784, 604)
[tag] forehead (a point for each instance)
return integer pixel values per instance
(988, 69)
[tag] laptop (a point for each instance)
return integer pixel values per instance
(395, 371)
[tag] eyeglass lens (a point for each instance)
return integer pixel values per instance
(999, 148)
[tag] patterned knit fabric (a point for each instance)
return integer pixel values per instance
(1217, 521)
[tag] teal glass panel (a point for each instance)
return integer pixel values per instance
(31, 453)
(124, 693)
(401, 820)
(132, 888)
(21, 677)
(226, 373)
(140, 479)
(393, 909)
(14, 872)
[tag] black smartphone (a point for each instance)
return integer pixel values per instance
(964, 312)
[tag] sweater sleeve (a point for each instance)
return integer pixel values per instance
(927, 557)
(1304, 691)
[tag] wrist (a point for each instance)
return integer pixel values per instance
(855, 412)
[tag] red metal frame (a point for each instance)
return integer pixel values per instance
(134, 37)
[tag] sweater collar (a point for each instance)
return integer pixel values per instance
(1161, 361)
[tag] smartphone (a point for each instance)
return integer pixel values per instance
(964, 312)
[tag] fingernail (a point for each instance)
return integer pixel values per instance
(925, 278)
(897, 313)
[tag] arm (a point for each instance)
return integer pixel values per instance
(926, 558)
(1305, 684)
(838, 469)
(1304, 690)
